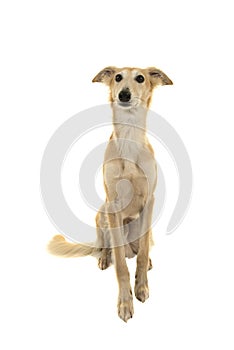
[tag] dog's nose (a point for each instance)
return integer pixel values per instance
(125, 95)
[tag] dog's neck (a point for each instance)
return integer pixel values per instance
(130, 124)
(129, 130)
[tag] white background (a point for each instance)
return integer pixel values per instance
(50, 51)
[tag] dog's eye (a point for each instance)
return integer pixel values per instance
(118, 78)
(140, 79)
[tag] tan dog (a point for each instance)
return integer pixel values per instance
(130, 176)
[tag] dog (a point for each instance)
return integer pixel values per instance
(123, 223)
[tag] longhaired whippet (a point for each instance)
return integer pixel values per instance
(130, 175)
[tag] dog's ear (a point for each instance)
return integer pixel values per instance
(105, 75)
(157, 77)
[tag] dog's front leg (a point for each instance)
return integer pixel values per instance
(141, 282)
(103, 239)
(125, 302)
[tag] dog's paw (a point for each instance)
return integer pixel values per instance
(105, 259)
(104, 262)
(125, 309)
(141, 291)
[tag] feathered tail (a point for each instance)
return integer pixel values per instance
(60, 247)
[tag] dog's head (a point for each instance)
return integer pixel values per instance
(131, 87)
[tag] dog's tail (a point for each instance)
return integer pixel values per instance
(60, 247)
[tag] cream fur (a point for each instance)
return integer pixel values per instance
(130, 176)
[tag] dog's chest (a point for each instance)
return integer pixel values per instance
(133, 173)
(129, 166)
(127, 143)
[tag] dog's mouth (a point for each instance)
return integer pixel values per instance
(133, 103)
(125, 104)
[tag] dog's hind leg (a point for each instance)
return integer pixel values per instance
(134, 234)
(103, 239)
